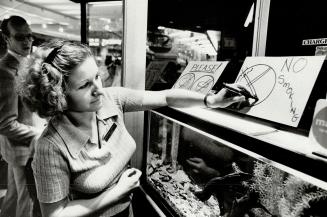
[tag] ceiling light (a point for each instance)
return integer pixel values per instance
(106, 27)
(64, 23)
(105, 19)
(102, 4)
(214, 37)
(46, 18)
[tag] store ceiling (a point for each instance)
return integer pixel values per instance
(195, 15)
(40, 11)
(190, 15)
(206, 19)
(61, 18)
(64, 7)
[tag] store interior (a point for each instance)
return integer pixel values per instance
(186, 23)
(178, 32)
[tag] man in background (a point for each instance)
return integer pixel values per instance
(16, 121)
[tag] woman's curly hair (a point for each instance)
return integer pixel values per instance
(44, 88)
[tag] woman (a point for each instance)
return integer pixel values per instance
(80, 163)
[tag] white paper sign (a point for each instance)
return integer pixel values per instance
(200, 76)
(282, 84)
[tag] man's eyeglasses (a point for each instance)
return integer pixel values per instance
(23, 37)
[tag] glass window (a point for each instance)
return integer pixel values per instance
(47, 19)
(105, 32)
(183, 31)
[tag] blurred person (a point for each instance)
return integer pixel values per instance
(108, 76)
(111, 76)
(81, 159)
(16, 120)
(207, 158)
(219, 169)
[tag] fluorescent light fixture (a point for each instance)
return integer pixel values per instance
(102, 4)
(214, 37)
(106, 27)
(31, 15)
(180, 34)
(249, 18)
(105, 19)
(64, 23)
(46, 18)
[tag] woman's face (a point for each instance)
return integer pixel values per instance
(84, 92)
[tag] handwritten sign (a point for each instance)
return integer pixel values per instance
(153, 72)
(200, 76)
(282, 84)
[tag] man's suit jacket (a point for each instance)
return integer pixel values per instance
(16, 120)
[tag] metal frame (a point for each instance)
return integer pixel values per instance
(134, 60)
(260, 28)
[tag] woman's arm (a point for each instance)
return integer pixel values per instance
(66, 208)
(186, 98)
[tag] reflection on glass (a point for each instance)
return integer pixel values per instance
(56, 20)
(105, 39)
(194, 31)
(197, 176)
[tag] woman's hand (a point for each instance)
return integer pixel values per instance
(199, 166)
(129, 180)
(225, 98)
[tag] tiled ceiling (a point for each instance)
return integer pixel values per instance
(198, 16)
(65, 7)
(61, 18)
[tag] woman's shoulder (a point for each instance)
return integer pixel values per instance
(49, 141)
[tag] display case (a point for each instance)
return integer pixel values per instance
(202, 162)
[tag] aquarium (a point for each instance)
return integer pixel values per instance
(196, 175)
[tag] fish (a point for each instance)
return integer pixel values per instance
(243, 205)
(219, 184)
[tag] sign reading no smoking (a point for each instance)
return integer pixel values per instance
(318, 130)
